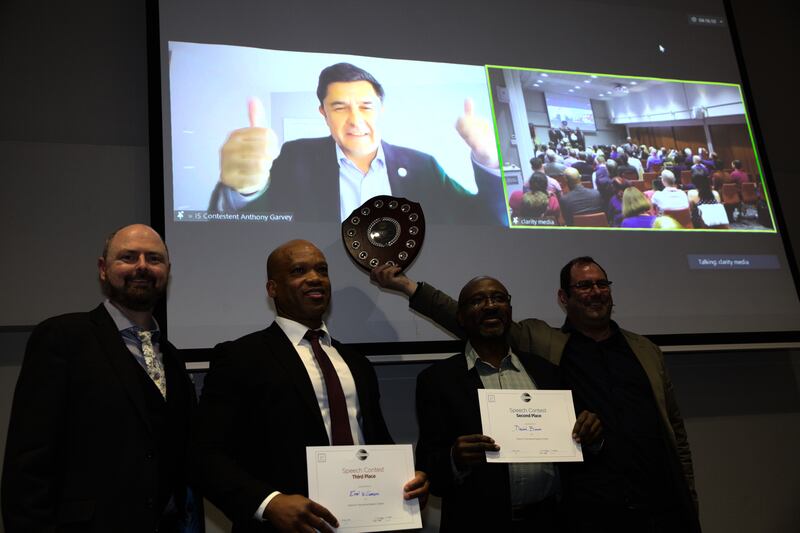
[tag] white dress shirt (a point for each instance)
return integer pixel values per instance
(295, 331)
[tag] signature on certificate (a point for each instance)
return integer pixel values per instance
(363, 493)
(526, 428)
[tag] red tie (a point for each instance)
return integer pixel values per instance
(340, 423)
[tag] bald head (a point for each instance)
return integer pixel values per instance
(124, 231)
(573, 177)
(283, 253)
(134, 268)
(469, 288)
(298, 283)
(484, 311)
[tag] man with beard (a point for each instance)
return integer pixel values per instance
(99, 425)
(476, 495)
(272, 393)
(643, 480)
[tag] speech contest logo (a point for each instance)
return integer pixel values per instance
(525, 397)
(362, 454)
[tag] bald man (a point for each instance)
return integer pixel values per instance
(270, 394)
(99, 424)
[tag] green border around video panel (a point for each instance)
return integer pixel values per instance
(572, 228)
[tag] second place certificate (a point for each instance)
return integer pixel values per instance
(530, 426)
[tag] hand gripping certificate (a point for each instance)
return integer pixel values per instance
(530, 426)
(363, 486)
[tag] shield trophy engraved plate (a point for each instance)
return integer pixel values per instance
(384, 229)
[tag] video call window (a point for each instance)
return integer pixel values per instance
(597, 151)
(251, 140)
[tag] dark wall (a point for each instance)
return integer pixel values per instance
(74, 164)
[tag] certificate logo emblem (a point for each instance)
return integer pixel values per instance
(525, 397)
(362, 454)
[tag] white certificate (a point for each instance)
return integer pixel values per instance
(363, 486)
(530, 426)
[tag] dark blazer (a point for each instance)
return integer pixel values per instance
(447, 407)
(258, 412)
(580, 201)
(92, 446)
(304, 180)
(536, 336)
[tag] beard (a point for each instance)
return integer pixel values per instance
(135, 297)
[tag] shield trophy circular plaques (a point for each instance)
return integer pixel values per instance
(384, 229)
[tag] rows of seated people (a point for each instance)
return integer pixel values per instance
(588, 188)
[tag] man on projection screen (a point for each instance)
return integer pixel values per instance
(643, 478)
(353, 164)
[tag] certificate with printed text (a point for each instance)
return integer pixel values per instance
(530, 426)
(363, 486)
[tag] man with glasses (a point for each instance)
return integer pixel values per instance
(643, 478)
(476, 495)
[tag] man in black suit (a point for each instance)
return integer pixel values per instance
(476, 495)
(579, 200)
(353, 164)
(270, 394)
(99, 425)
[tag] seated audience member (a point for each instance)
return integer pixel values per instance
(636, 209)
(666, 222)
(537, 166)
(583, 166)
(698, 166)
(636, 163)
(654, 159)
(687, 155)
(671, 198)
(571, 158)
(657, 185)
(539, 183)
(533, 205)
(552, 167)
(704, 195)
(579, 200)
(738, 176)
(623, 166)
(702, 192)
(515, 202)
(614, 206)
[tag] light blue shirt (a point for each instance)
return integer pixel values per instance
(529, 482)
(356, 187)
(128, 331)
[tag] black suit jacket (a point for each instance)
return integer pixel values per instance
(258, 412)
(447, 407)
(304, 180)
(579, 202)
(83, 449)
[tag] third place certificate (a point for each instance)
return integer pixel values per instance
(530, 426)
(363, 486)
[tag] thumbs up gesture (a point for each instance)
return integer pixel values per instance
(247, 155)
(478, 133)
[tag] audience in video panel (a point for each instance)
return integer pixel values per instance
(638, 186)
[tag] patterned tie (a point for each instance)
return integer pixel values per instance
(155, 369)
(340, 423)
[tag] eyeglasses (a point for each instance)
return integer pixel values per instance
(498, 298)
(587, 284)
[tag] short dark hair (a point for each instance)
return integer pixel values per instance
(538, 182)
(345, 72)
(536, 163)
(566, 271)
(737, 164)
